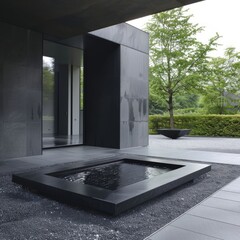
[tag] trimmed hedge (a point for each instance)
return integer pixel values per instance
(200, 125)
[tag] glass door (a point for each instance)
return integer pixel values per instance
(62, 95)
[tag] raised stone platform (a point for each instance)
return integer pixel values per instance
(111, 185)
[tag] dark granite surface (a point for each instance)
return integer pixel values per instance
(113, 176)
(113, 200)
(26, 215)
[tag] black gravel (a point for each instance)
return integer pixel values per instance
(26, 215)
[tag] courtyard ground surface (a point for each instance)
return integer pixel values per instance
(25, 215)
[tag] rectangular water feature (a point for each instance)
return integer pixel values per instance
(115, 175)
(112, 185)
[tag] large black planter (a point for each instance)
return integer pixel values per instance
(173, 133)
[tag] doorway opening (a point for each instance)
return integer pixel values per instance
(63, 105)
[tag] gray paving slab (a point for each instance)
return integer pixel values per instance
(203, 149)
(220, 215)
(55, 156)
(197, 143)
(190, 155)
(222, 204)
(171, 233)
(227, 195)
(236, 181)
(232, 188)
(208, 227)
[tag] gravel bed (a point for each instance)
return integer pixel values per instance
(26, 215)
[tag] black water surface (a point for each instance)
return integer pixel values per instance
(115, 175)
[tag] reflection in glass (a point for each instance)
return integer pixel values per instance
(48, 96)
(62, 95)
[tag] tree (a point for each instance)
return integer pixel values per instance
(222, 90)
(156, 105)
(177, 58)
(186, 101)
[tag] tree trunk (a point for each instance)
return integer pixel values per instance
(170, 109)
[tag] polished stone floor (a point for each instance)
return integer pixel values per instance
(217, 217)
(61, 141)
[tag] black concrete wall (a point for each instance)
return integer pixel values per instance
(134, 98)
(120, 120)
(125, 35)
(20, 92)
(61, 118)
(116, 89)
(101, 93)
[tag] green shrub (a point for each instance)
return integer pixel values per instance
(200, 125)
(189, 111)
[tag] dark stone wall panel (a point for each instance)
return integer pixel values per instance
(15, 140)
(125, 34)
(34, 138)
(134, 98)
(101, 93)
(1, 93)
(134, 134)
(33, 106)
(62, 82)
(116, 102)
(14, 105)
(20, 91)
(34, 51)
(134, 73)
(1, 135)
(17, 74)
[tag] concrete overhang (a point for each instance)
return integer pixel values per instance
(67, 18)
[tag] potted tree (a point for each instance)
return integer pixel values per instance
(178, 60)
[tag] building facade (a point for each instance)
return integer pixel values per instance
(91, 89)
(63, 82)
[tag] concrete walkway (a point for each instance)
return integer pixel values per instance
(202, 149)
(208, 144)
(159, 146)
(218, 217)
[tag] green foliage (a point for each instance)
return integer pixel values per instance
(190, 111)
(222, 89)
(48, 81)
(177, 59)
(200, 125)
(156, 105)
(182, 101)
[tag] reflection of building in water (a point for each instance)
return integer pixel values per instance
(131, 173)
(107, 176)
(113, 176)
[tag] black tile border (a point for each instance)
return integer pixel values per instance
(112, 202)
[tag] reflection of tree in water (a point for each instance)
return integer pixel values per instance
(107, 176)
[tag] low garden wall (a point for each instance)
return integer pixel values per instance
(200, 125)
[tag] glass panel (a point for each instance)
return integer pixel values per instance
(48, 96)
(62, 95)
(81, 96)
